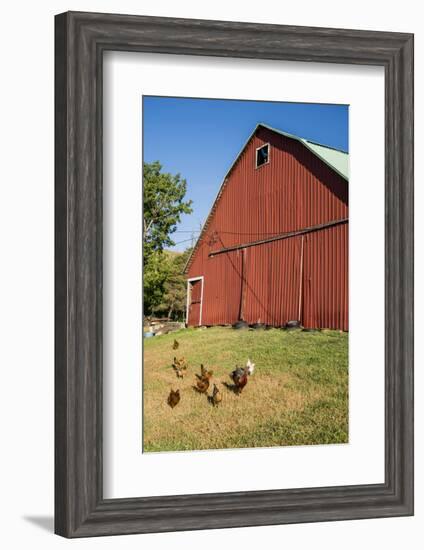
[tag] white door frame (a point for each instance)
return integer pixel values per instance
(201, 278)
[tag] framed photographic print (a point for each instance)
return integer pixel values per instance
(234, 274)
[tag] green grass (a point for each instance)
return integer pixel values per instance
(298, 394)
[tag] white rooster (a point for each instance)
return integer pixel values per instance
(250, 367)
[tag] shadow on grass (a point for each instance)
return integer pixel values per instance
(233, 388)
(202, 392)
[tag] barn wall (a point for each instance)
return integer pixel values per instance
(326, 297)
(272, 279)
(278, 284)
(222, 288)
(295, 190)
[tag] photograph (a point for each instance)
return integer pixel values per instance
(245, 274)
(209, 275)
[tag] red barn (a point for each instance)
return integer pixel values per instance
(274, 246)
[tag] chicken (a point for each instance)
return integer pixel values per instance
(175, 345)
(202, 385)
(204, 374)
(250, 367)
(203, 379)
(179, 372)
(179, 365)
(173, 398)
(216, 396)
(239, 377)
(237, 373)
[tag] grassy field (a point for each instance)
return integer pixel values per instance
(298, 394)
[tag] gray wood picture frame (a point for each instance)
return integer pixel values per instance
(80, 40)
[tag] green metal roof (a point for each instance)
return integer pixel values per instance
(337, 160)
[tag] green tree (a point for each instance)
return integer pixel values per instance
(173, 303)
(163, 203)
(156, 271)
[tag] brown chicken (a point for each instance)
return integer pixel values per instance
(179, 372)
(216, 396)
(180, 363)
(174, 398)
(239, 377)
(202, 385)
(204, 374)
(175, 345)
(179, 366)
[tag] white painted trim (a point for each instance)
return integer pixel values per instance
(256, 155)
(187, 302)
(201, 278)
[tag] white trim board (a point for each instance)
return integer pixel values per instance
(200, 278)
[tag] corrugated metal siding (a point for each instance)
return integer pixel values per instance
(222, 290)
(194, 314)
(272, 277)
(325, 302)
(295, 190)
(196, 291)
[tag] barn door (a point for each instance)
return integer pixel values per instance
(195, 292)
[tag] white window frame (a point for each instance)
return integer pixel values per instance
(192, 279)
(256, 155)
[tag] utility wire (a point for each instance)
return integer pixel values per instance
(233, 232)
(191, 231)
(246, 233)
(180, 242)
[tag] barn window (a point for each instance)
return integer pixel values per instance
(262, 155)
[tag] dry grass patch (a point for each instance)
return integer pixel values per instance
(298, 394)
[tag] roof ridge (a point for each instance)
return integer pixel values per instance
(326, 146)
(300, 138)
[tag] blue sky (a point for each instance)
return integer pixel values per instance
(200, 138)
